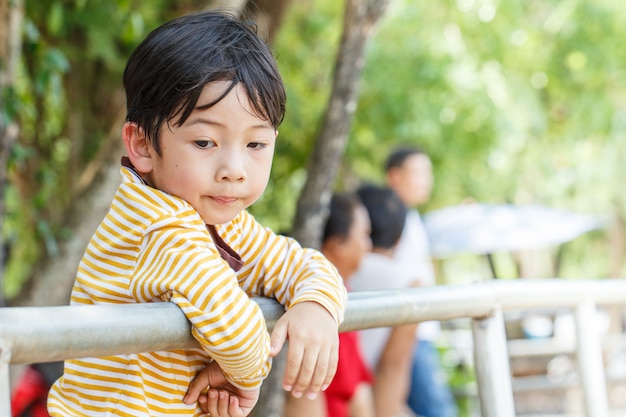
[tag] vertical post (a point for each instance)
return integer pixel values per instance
(590, 362)
(493, 372)
(5, 382)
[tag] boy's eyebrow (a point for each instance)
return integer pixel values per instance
(207, 121)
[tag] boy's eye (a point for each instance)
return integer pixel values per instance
(203, 143)
(256, 145)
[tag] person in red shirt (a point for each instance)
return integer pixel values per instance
(345, 242)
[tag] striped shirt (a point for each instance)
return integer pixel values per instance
(154, 247)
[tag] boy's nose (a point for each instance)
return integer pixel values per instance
(231, 168)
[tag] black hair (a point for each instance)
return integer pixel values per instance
(167, 72)
(341, 215)
(397, 158)
(387, 214)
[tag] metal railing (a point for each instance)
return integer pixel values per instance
(46, 334)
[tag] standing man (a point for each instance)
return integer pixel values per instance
(409, 173)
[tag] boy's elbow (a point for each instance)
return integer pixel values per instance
(247, 367)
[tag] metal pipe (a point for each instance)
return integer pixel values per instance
(411, 305)
(493, 374)
(5, 381)
(46, 334)
(590, 363)
(556, 292)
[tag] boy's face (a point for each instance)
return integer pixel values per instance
(219, 160)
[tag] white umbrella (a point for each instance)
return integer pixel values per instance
(489, 228)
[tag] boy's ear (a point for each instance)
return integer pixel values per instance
(137, 147)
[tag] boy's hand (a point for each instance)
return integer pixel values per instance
(222, 398)
(313, 348)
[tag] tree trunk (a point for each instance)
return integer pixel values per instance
(268, 14)
(11, 16)
(360, 18)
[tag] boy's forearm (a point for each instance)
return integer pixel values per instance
(288, 272)
(320, 282)
(240, 346)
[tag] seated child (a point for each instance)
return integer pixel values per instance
(345, 241)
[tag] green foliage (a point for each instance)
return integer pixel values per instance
(515, 102)
(72, 58)
(305, 49)
(518, 102)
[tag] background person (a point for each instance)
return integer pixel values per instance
(346, 239)
(388, 351)
(409, 173)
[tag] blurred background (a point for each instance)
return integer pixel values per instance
(516, 102)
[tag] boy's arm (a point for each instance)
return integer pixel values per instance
(181, 265)
(312, 350)
(312, 291)
(279, 267)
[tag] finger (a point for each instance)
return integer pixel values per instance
(203, 402)
(223, 403)
(307, 369)
(277, 338)
(333, 361)
(233, 407)
(199, 384)
(212, 404)
(319, 377)
(292, 367)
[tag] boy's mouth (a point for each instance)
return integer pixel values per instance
(224, 200)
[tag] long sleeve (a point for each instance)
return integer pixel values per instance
(153, 247)
(183, 266)
(278, 267)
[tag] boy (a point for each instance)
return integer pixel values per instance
(204, 101)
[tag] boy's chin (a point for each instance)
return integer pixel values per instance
(221, 218)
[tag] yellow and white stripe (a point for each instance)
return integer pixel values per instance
(154, 247)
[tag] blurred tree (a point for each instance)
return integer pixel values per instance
(519, 103)
(360, 20)
(11, 15)
(72, 106)
(515, 102)
(268, 14)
